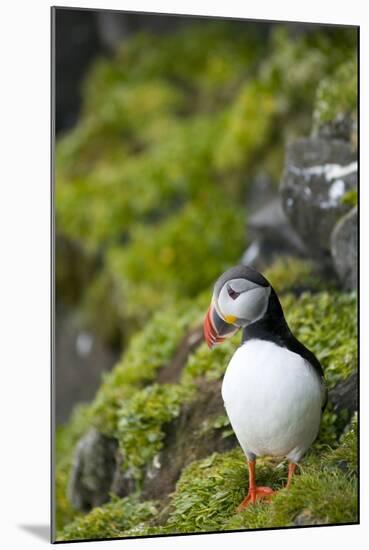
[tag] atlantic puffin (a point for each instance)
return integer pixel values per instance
(273, 388)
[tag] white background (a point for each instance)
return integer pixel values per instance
(25, 269)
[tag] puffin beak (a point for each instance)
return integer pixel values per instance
(216, 330)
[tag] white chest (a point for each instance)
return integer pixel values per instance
(273, 399)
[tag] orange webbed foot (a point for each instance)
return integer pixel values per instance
(255, 494)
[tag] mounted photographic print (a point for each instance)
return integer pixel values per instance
(205, 182)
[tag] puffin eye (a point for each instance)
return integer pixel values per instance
(232, 293)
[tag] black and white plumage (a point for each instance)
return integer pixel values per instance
(273, 388)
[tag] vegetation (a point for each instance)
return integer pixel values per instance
(350, 197)
(66, 439)
(134, 409)
(149, 350)
(110, 520)
(149, 195)
(172, 131)
(337, 94)
(209, 491)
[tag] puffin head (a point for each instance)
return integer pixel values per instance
(241, 296)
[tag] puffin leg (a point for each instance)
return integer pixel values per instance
(291, 471)
(255, 492)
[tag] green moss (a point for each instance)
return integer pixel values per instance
(337, 94)
(141, 421)
(210, 363)
(345, 456)
(288, 274)
(148, 351)
(350, 198)
(136, 415)
(331, 426)
(316, 497)
(209, 490)
(324, 491)
(110, 520)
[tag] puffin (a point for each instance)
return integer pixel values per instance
(273, 389)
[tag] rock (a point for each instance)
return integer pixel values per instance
(190, 437)
(80, 354)
(343, 126)
(273, 236)
(344, 396)
(317, 174)
(77, 43)
(93, 471)
(344, 249)
(306, 518)
(260, 190)
(123, 483)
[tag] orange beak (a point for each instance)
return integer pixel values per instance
(216, 330)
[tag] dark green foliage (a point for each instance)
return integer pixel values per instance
(110, 520)
(337, 94)
(351, 197)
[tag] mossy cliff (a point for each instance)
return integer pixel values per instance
(150, 192)
(167, 433)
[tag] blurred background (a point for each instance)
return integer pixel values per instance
(171, 165)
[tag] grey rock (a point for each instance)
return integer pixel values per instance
(93, 471)
(260, 190)
(187, 438)
(270, 222)
(344, 396)
(80, 355)
(77, 43)
(272, 236)
(123, 482)
(341, 127)
(317, 174)
(344, 249)
(307, 518)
